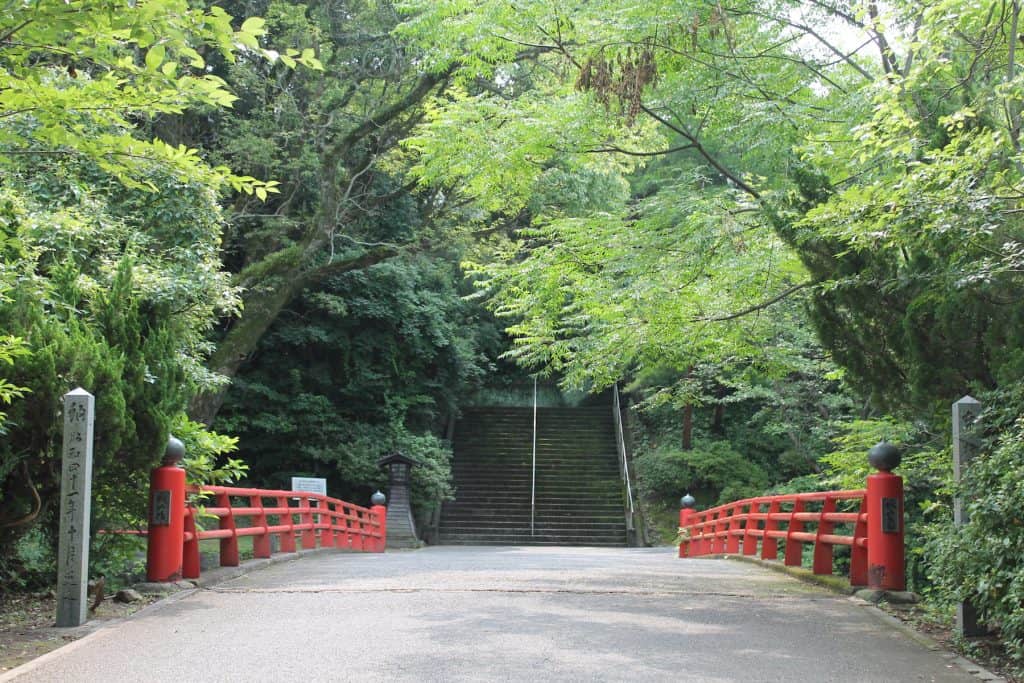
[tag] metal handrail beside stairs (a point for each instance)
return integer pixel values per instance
(620, 440)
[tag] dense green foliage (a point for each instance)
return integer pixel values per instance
(370, 362)
(113, 289)
(78, 77)
(673, 174)
(110, 274)
(788, 229)
(984, 561)
(327, 137)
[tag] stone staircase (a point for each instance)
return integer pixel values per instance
(579, 497)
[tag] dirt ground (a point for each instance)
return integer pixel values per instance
(27, 630)
(985, 651)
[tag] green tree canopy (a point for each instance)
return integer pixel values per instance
(761, 157)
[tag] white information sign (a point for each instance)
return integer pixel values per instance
(310, 485)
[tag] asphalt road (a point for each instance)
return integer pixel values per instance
(502, 614)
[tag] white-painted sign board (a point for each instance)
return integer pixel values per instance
(310, 485)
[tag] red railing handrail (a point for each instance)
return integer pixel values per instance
(741, 526)
(331, 523)
(756, 526)
(269, 493)
(310, 518)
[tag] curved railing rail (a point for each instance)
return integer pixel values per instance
(756, 526)
(871, 519)
(312, 519)
(298, 519)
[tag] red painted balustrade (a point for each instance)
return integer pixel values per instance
(759, 526)
(762, 527)
(300, 520)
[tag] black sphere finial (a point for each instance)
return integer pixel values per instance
(884, 456)
(174, 452)
(687, 501)
(378, 498)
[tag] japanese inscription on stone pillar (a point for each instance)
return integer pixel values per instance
(965, 447)
(75, 504)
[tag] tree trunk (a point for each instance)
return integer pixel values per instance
(718, 420)
(262, 305)
(687, 441)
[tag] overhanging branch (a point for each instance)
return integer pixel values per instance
(753, 309)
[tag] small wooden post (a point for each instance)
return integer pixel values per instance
(75, 506)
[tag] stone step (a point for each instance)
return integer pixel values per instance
(537, 539)
(582, 512)
(539, 530)
(480, 503)
(577, 484)
(607, 528)
(485, 476)
(543, 480)
(569, 495)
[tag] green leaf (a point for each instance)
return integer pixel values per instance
(255, 26)
(155, 57)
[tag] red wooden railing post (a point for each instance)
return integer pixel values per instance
(719, 531)
(286, 538)
(166, 516)
(308, 534)
(706, 542)
(261, 543)
(379, 513)
(229, 545)
(359, 538)
(685, 514)
(325, 522)
(190, 562)
(770, 544)
(344, 536)
(793, 554)
(749, 537)
(858, 549)
(733, 528)
(822, 558)
(885, 521)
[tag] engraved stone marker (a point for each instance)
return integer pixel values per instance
(75, 505)
(965, 447)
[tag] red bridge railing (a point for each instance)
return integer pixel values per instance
(298, 519)
(312, 521)
(757, 527)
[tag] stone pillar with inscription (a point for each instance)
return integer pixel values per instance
(75, 506)
(965, 447)
(400, 524)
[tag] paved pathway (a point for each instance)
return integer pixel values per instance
(503, 614)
